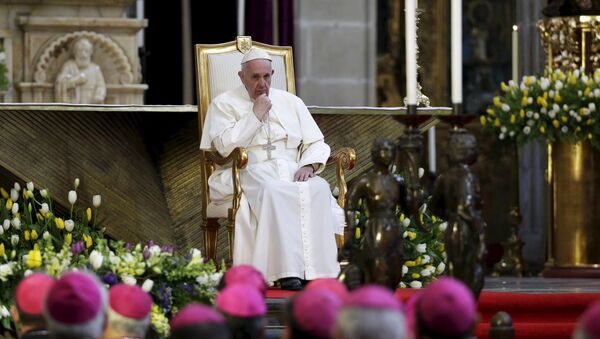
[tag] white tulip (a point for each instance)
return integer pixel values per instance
(30, 186)
(44, 193)
(45, 208)
(14, 240)
(405, 234)
(4, 313)
(147, 285)
(421, 172)
(406, 222)
(15, 208)
(72, 197)
(216, 277)
(154, 250)
(1, 230)
(404, 269)
(425, 272)
(96, 200)
(441, 267)
(96, 259)
(526, 129)
(76, 183)
(30, 194)
(505, 107)
(16, 222)
(6, 224)
(17, 186)
(203, 279)
(423, 208)
(402, 285)
(422, 248)
(426, 259)
(416, 284)
(46, 235)
(443, 226)
(501, 136)
(69, 225)
(14, 194)
(27, 273)
(129, 280)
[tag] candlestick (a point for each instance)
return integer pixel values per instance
(515, 53)
(456, 43)
(411, 52)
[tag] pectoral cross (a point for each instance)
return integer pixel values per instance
(269, 147)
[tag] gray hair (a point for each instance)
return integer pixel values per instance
(362, 323)
(127, 326)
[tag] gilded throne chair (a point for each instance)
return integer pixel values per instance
(216, 72)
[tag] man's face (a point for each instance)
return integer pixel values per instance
(256, 77)
(83, 56)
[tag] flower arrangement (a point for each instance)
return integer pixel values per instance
(424, 251)
(556, 106)
(33, 237)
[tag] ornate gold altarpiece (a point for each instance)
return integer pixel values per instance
(144, 160)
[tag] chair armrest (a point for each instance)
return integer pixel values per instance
(238, 159)
(344, 159)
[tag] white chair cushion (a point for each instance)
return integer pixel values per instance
(217, 211)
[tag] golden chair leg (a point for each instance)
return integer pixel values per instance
(211, 227)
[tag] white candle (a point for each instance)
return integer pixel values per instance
(241, 16)
(515, 53)
(432, 149)
(456, 45)
(411, 52)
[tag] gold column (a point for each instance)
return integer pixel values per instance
(575, 216)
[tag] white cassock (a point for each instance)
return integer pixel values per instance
(283, 228)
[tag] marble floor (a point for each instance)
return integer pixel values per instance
(541, 285)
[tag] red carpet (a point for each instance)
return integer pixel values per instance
(550, 316)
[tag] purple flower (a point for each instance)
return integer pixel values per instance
(151, 243)
(109, 278)
(187, 287)
(77, 247)
(146, 253)
(128, 246)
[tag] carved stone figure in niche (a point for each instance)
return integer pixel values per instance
(80, 81)
(380, 253)
(456, 197)
(571, 7)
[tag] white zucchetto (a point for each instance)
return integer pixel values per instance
(256, 53)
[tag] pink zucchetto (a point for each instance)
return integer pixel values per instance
(256, 53)
(241, 301)
(315, 312)
(196, 314)
(590, 321)
(374, 297)
(75, 298)
(31, 292)
(447, 307)
(130, 301)
(329, 284)
(246, 274)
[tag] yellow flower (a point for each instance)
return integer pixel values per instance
(34, 258)
(34, 235)
(557, 97)
(524, 101)
(1, 249)
(442, 247)
(9, 204)
(564, 118)
(88, 240)
(39, 216)
(572, 79)
(542, 129)
(522, 113)
(411, 235)
(482, 120)
(357, 233)
(60, 223)
(497, 102)
(27, 235)
(590, 121)
(546, 95)
(513, 118)
(5, 194)
(490, 112)
(587, 91)
(504, 87)
(541, 101)
(69, 238)
(419, 261)
(554, 77)
(88, 213)
(415, 275)
(589, 136)
(410, 263)
(577, 129)
(433, 219)
(555, 123)
(402, 217)
(497, 122)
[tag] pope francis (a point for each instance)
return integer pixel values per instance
(288, 218)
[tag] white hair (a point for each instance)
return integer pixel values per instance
(363, 323)
(126, 326)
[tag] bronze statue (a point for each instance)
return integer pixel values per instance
(379, 256)
(456, 197)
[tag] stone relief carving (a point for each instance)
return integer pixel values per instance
(80, 80)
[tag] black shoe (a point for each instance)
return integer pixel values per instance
(290, 284)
